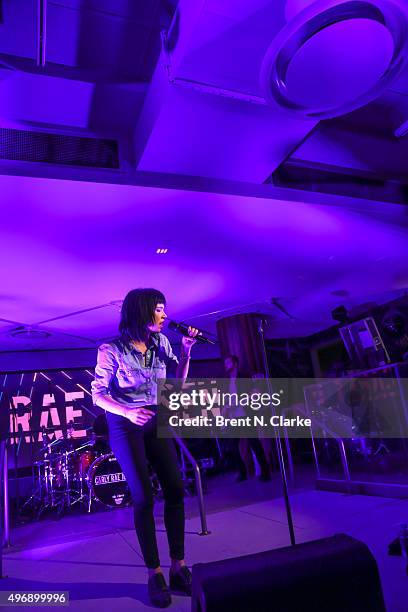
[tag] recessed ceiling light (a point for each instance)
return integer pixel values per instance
(161, 251)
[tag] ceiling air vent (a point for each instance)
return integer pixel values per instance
(22, 145)
(29, 334)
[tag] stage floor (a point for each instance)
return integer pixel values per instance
(95, 557)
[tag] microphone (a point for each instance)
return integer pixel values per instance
(182, 329)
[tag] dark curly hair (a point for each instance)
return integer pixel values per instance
(138, 312)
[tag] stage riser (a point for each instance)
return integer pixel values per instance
(378, 489)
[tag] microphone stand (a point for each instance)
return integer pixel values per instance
(15, 435)
(18, 446)
(278, 441)
(32, 443)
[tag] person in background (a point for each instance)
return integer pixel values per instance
(231, 365)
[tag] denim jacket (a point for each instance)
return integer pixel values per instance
(123, 373)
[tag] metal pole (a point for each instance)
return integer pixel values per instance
(41, 32)
(345, 463)
(312, 438)
(278, 442)
(315, 454)
(6, 538)
(197, 473)
(289, 455)
(217, 442)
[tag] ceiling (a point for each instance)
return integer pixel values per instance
(198, 140)
(71, 246)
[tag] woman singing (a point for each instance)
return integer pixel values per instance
(125, 386)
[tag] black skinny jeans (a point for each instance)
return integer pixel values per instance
(134, 446)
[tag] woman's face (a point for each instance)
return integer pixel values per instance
(158, 319)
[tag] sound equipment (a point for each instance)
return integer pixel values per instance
(335, 574)
(364, 344)
(340, 314)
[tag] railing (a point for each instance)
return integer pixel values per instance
(199, 486)
(340, 442)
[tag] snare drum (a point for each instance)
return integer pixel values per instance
(107, 482)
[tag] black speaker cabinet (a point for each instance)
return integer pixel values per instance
(336, 574)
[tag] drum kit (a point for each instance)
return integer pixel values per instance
(87, 476)
(65, 476)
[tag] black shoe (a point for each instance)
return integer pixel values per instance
(265, 477)
(241, 478)
(180, 581)
(158, 590)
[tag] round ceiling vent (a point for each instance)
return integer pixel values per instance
(335, 56)
(29, 334)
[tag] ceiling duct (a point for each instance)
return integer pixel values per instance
(239, 84)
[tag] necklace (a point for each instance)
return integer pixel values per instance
(147, 368)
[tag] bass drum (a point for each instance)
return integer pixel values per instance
(107, 482)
